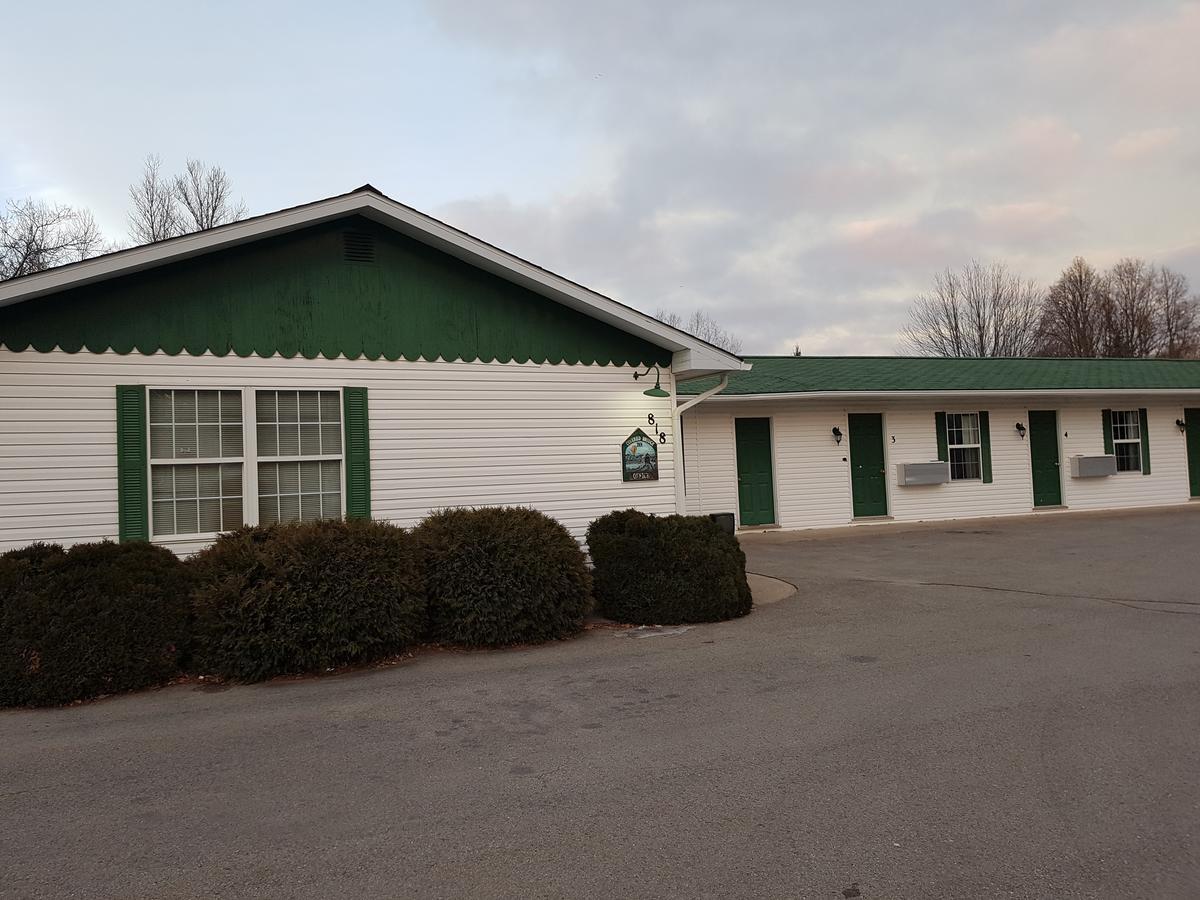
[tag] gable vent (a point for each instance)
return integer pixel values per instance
(358, 247)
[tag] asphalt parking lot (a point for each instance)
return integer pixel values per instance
(993, 708)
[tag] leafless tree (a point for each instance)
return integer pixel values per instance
(1072, 317)
(976, 311)
(36, 235)
(674, 319)
(1177, 314)
(703, 326)
(205, 195)
(1134, 310)
(155, 215)
(167, 206)
(1129, 313)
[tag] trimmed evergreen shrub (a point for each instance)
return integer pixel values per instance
(18, 566)
(502, 575)
(97, 619)
(37, 554)
(285, 599)
(666, 570)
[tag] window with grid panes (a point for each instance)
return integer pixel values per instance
(196, 460)
(299, 437)
(963, 442)
(1127, 439)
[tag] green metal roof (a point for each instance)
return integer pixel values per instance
(880, 374)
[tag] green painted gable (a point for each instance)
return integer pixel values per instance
(879, 374)
(300, 294)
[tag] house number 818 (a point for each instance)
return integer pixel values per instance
(662, 435)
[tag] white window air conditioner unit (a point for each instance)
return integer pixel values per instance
(910, 474)
(1093, 466)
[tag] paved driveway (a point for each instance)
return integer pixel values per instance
(984, 709)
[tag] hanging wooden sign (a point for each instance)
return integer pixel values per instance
(639, 458)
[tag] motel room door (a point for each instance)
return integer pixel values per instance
(756, 481)
(868, 475)
(1043, 457)
(1191, 419)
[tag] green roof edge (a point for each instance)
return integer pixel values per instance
(885, 374)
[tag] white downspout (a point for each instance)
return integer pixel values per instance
(677, 430)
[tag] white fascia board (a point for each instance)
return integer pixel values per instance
(852, 396)
(700, 361)
(691, 356)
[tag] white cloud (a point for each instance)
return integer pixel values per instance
(1136, 146)
(1146, 58)
(805, 173)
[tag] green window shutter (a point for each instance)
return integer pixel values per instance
(358, 453)
(133, 505)
(985, 447)
(939, 420)
(1144, 427)
(1108, 444)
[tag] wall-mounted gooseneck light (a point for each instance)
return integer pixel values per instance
(657, 390)
(1020, 426)
(1182, 425)
(837, 435)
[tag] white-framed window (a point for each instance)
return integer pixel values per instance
(196, 461)
(209, 474)
(965, 447)
(1127, 439)
(299, 440)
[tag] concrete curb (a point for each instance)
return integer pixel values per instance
(767, 590)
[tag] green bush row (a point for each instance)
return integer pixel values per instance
(270, 600)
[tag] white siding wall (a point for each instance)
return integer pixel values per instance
(812, 473)
(1168, 478)
(811, 481)
(710, 480)
(442, 434)
(914, 429)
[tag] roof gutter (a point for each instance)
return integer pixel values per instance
(721, 385)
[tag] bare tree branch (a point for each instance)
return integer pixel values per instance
(36, 235)
(976, 311)
(1072, 319)
(1128, 310)
(674, 319)
(1177, 314)
(703, 326)
(155, 214)
(1132, 310)
(205, 195)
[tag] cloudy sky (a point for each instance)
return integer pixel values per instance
(796, 169)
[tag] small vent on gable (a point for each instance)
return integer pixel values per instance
(358, 247)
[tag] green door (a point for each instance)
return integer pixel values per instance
(756, 485)
(1191, 418)
(1043, 457)
(868, 480)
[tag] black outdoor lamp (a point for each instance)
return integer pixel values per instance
(837, 435)
(1021, 429)
(657, 390)
(1182, 425)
